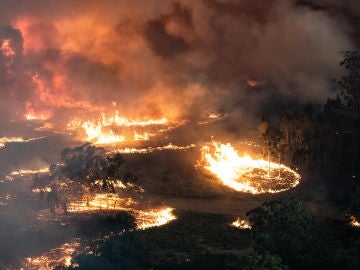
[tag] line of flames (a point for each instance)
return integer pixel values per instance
(170, 146)
(102, 131)
(5, 140)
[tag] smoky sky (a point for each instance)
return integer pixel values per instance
(170, 58)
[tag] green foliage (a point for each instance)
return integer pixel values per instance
(284, 228)
(264, 261)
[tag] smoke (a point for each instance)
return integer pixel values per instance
(175, 59)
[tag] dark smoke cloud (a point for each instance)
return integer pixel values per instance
(170, 58)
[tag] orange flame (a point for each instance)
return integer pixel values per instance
(32, 114)
(106, 129)
(354, 222)
(243, 173)
(153, 217)
(150, 149)
(241, 224)
(6, 49)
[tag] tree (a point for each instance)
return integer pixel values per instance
(264, 261)
(282, 227)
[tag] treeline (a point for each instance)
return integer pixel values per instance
(323, 141)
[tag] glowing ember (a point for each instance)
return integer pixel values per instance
(243, 173)
(60, 256)
(24, 172)
(354, 222)
(170, 146)
(153, 217)
(241, 224)
(252, 83)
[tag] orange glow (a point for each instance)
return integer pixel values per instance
(243, 173)
(252, 83)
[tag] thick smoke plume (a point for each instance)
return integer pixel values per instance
(70, 60)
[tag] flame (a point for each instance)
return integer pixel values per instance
(61, 255)
(241, 224)
(142, 137)
(354, 222)
(5, 140)
(109, 201)
(38, 190)
(23, 172)
(150, 149)
(97, 135)
(106, 129)
(32, 114)
(154, 217)
(100, 201)
(6, 49)
(243, 173)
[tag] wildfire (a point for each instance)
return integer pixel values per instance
(243, 173)
(241, 224)
(153, 217)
